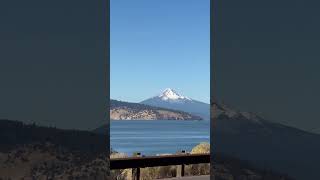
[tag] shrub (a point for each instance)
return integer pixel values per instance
(149, 173)
(201, 148)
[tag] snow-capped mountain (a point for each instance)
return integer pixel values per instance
(170, 98)
(171, 95)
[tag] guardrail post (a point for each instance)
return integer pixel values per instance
(180, 168)
(136, 174)
(136, 171)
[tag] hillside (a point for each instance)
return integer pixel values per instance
(266, 144)
(15, 133)
(134, 111)
(44, 161)
(33, 152)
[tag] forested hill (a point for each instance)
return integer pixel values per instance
(15, 133)
(120, 110)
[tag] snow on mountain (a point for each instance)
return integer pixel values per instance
(220, 110)
(170, 94)
(171, 99)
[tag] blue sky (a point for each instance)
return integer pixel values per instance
(156, 44)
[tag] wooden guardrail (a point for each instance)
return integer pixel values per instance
(135, 163)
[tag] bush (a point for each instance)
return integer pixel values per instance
(199, 169)
(201, 148)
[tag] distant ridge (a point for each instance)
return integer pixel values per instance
(14, 133)
(120, 110)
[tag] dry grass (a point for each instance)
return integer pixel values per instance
(150, 173)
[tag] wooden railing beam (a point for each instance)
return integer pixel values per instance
(135, 163)
(154, 161)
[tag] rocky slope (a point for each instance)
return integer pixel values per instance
(134, 111)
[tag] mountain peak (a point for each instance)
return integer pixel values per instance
(170, 94)
(171, 99)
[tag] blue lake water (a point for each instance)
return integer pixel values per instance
(157, 137)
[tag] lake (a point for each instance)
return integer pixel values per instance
(157, 136)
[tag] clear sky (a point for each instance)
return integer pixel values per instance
(156, 44)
